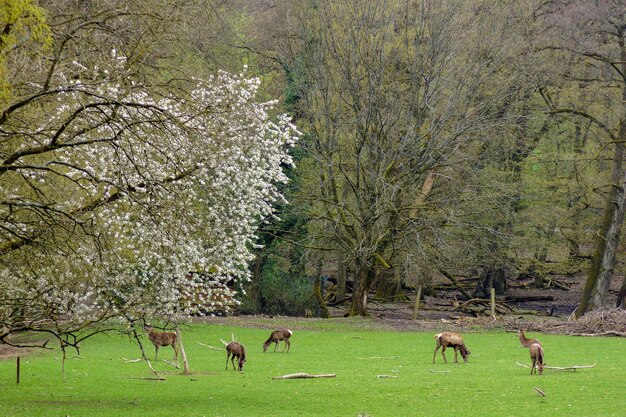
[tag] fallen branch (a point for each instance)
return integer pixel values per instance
(175, 365)
(562, 368)
(148, 378)
(439, 372)
(387, 376)
(381, 357)
(304, 375)
(211, 347)
(71, 357)
(570, 368)
(543, 394)
(131, 360)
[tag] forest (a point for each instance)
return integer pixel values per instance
(197, 157)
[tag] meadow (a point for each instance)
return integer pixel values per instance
(102, 383)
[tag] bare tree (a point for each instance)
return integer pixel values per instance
(589, 38)
(398, 98)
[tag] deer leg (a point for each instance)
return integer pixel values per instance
(275, 345)
(287, 344)
(156, 349)
(456, 350)
(232, 361)
(435, 354)
(443, 353)
(175, 353)
(227, 356)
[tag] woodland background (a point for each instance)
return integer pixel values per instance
(439, 141)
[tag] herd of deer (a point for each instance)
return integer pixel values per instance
(235, 350)
(455, 340)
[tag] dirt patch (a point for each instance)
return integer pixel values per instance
(547, 310)
(8, 352)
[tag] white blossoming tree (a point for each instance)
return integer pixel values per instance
(122, 200)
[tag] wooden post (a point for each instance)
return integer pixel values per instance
(493, 303)
(417, 302)
(17, 369)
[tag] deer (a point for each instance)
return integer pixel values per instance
(536, 356)
(454, 340)
(525, 341)
(237, 350)
(159, 339)
(277, 336)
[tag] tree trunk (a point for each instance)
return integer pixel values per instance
(621, 296)
(390, 286)
(342, 277)
(364, 278)
(607, 239)
(317, 293)
(491, 278)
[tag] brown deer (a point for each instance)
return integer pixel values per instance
(277, 336)
(159, 339)
(525, 341)
(536, 356)
(454, 340)
(237, 350)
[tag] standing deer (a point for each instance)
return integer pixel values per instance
(454, 340)
(237, 350)
(159, 339)
(525, 341)
(536, 356)
(277, 336)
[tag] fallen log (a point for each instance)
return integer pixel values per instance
(543, 394)
(524, 298)
(302, 375)
(456, 283)
(607, 333)
(503, 308)
(558, 284)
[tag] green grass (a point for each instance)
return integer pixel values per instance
(101, 384)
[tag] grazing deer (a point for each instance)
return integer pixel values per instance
(277, 336)
(525, 341)
(536, 356)
(159, 339)
(237, 350)
(454, 340)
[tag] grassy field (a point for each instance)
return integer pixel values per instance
(100, 383)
